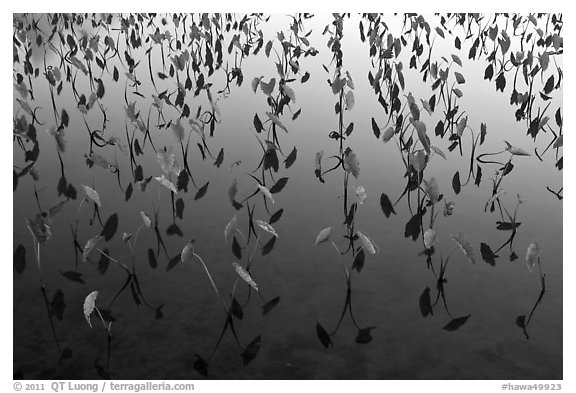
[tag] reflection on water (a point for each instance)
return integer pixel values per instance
(259, 196)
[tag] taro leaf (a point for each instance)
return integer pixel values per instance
(375, 129)
(266, 193)
(465, 245)
(367, 244)
(236, 249)
(172, 263)
(266, 308)
(388, 134)
(478, 176)
(236, 309)
(349, 129)
(138, 173)
(89, 305)
(202, 191)
(279, 185)
(414, 110)
(166, 183)
(413, 227)
(92, 195)
(521, 321)
(182, 183)
(220, 158)
(359, 260)
(152, 259)
(459, 77)
(429, 238)
(20, 258)
(57, 305)
(291, 158)
(425, 305)
(180, 208)
(501, 82)
(110, 227)
(276, 120)
(432, 190)
(201, 366)
(269, 245)
(364, 336)
(456, 182)
(251, 350)
(507, 226)
(324, 235)
(516, 151)
(104, 262)
(323, 336)
(174, 230)
(386, 205)
(351, 163)
(421, 129)
(275, 217)
(244, 275)
(187, 252)
(271, 160)
(513, 256)
(73, 276)
(90, 245)
(532, 255)
(129, 191)
(487, 254)
(268, 88)
(456, 323)
(258, 124)
(507, 168)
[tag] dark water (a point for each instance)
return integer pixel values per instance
(405, 313)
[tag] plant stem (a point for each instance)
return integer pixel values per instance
(211, 281)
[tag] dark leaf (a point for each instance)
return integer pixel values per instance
(501, 82)
(115, 75)
(413, 227)
(57, 306)
(251, 351)
(183, 179)
(513, 256)
(266, 308)
(375, 129)
(489, 72)
(236, 249)
(201, 366)
(358, 263)
(159, 314)
(275, 217)
(507, 226)
(20, 258)
(258, 124)
(129, 191)
(425, 304)
(174, 230)
(173, 262)
(104, 262)
(521, 321)
(291, 158)
(269, 245)
(271, 160)
(487, 254)
(138, 174)
(73, 276)
(349, 129)
(364, 336)
(152, 259)
(456, 183)
(323, 336)
(478, 176)
(220, 158)
(456, 323)
(110, 227)
(202, 191)
(180, 208)
(279, 185)
(236, 309)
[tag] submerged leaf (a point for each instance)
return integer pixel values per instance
(367, 244)
(465, 246)
(266, 192)
(456, 323)
(266, 308)
(487, 254)
(266, 227)
(166, 183)
(425, 304)
(323, 336)
(90, 245)
(89, 305)
(251, 351)
(231, 228)
(187, 252)
(351, 163)
(532, 255)
(386, 205)
(92, 195)
(429, 238)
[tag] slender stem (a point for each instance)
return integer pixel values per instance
(114, 260)
(253, 252)
(212, 282)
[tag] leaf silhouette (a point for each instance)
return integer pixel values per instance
(516, 151)
(364, 335)
(425, 304)
(20, 258)
(267, 248)
(456, 323)
(291, 158)
(236, 309)
(456, 183)
(421, 130)
(487, 254)
(388, 134)
(110, 227)
(236, 249)
(375, 128)
(323, 336)
(182, 183)
(73, 276)
(275, 217)
(279, 185)
(152, 259)
(89, 305)
(174, 229)
(180, 208)
(359, 258)
(244, 275)
(266, 308)
(201, 366)
(251, 350)
(386, 205)
(104, 262)
(202, 191)
(507, 226)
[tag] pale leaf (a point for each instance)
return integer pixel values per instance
(388, 134)
(367, 244)
(266, 227)
(90, 245)
(429, 238)
(231, 228)
(465, 246)
(324, 235)
(166, 183)
(361, 194)
(89, 305)
(187, 252)
(92, 195)
(266, 193)
(516, 151)
(351, 163)
(146, 219)
(244, 275)
(532, 255)
(276, 120)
